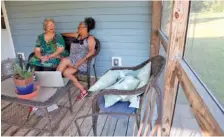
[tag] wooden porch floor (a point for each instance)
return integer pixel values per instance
(63, 121)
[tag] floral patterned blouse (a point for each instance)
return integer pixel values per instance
(47, 49)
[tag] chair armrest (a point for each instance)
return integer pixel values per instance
(132, 68)
(123, 68)
(120, 92)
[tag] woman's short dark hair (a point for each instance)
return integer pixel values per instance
(90, 23)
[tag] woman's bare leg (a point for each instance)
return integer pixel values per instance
(69, 73)
(64, 64)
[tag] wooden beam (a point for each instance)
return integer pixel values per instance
(175, 49)
(156, 21)
(203, 115)
(164, 40)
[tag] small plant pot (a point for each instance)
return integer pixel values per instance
(23, 86)
(31, 95)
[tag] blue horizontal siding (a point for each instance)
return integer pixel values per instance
(73, 25)
(99, 32)
(72, 18)
(93, 11)
(123, 28)
(30, 40)
(61, 5)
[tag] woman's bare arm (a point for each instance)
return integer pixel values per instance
(70, 34)
(58, 51)
(37, 52)
(91, 46)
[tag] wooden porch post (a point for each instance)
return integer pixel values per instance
(156, 23)
(175, 50)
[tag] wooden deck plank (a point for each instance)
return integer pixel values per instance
(132, 129)
(110, 126)
(71, 130)
(31, 123)
(44, 134)
(22, 131)
(4, 127)
(58, 117)
(55, 117)
(4, 103)
(11, 131)
(43, 121)
(100, 125)
(55, 124)
(63, 101)
(60, 113)
(66, 120)
(86, 126)
(91, 132)
(121, 128)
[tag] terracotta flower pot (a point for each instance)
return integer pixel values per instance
(23, 87)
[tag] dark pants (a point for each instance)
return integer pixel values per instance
(38, 68)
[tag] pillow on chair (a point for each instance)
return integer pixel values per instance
(105, 81)
(126, 83)
(143, 75)
(109, 79)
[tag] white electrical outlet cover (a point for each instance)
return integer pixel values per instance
(119, 61)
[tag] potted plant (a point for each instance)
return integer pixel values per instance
(23, 80)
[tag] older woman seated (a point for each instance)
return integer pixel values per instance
(49, 48)
(81, 50)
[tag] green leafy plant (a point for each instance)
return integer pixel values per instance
(22, 73)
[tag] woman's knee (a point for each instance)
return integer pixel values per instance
(69, 71)
(66, 72)
(63, 63)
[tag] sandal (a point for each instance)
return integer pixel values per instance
(81, 96)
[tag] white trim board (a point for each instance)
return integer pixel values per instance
(7, 26)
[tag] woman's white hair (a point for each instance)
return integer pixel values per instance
(46, 21)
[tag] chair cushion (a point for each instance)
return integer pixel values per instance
(144, 73)
(126, 83)
(121, 107)
(105, 81)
